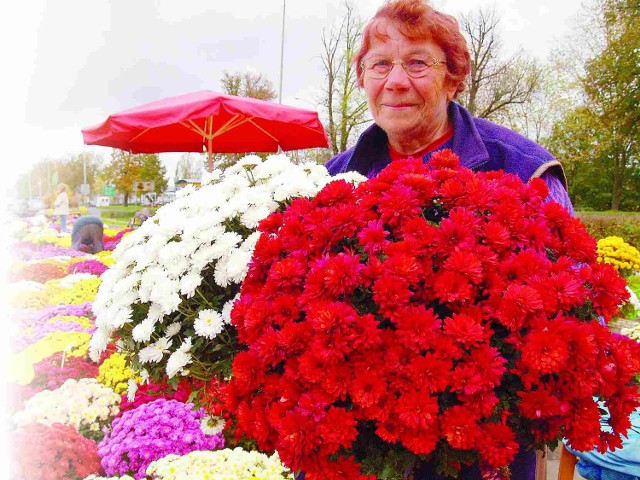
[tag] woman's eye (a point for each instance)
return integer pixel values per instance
(381, 64)
(416, 63)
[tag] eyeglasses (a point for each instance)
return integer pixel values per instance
(415, 67)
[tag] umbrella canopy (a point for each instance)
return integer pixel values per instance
(211, 122)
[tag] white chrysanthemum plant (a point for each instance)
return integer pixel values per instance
(167, 299)
(226, 464)
(84, 404)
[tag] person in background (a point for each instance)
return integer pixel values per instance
(412, 65)
(61, 207)
(140, 217)
(88, 232)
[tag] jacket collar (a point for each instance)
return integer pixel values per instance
(371, 147)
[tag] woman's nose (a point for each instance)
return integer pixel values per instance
(397, 77)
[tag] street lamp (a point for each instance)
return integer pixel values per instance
(284, 4)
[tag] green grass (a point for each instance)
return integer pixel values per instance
(634, 284)
(121, 208)
(115, 222)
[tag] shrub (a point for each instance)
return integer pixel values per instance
(601, 225)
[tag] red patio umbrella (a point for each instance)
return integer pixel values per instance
(211, 122)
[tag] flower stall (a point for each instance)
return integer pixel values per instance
(279, 323)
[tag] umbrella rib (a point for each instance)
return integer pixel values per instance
(232, 123)
(139, 135)
(263, 130)
(191, 125)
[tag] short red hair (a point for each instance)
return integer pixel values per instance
(417, 20)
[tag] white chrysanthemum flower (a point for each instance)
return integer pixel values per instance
(179, 266)
(154, 352)
(203, 256)
(208, 324)
(220, 274)
(226, 310)
(143, 331)
(122, 315)
(183, 192)
(254, 215)
(249, 244)
(224, 243)
(633, 299)
(170, 302)
(238, 265)
(246, 163)
(173, 329)
(211, 177)
(235, 205)
(189, 283)
(212, 425)
(176, 363)
(98, 343)
(132, 388)
(351, 177)
(155, 313)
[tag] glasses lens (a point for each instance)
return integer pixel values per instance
(379, 68)
(414, 67)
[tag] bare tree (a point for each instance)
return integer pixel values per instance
(495, 85)
(345, 104)
(248, 84)
(189, 167)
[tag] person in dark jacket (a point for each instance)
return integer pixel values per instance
(412, 65)
(88, 231)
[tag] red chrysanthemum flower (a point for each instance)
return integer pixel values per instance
(501, 447)
(431, 311)
(460, 428)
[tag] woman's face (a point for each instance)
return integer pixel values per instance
(410, 110)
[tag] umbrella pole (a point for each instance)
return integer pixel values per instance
(210, 145)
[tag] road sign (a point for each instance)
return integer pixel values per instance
(109, 190)
(143, 186)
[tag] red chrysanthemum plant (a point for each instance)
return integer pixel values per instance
(429, 314)
(61, 452)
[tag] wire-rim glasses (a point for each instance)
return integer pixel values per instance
(415, 67)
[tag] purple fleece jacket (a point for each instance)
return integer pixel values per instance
(481, 146)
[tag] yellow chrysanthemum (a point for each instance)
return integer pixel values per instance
(616, 252)
(106, 257)
(50, 237)
(76, 344)
(112, 232)
(115, 374)
(57, 291)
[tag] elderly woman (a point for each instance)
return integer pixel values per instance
(412, 65)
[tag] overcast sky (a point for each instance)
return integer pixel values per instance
(70, 63)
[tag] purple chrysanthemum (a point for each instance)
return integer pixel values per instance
(150, 432)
